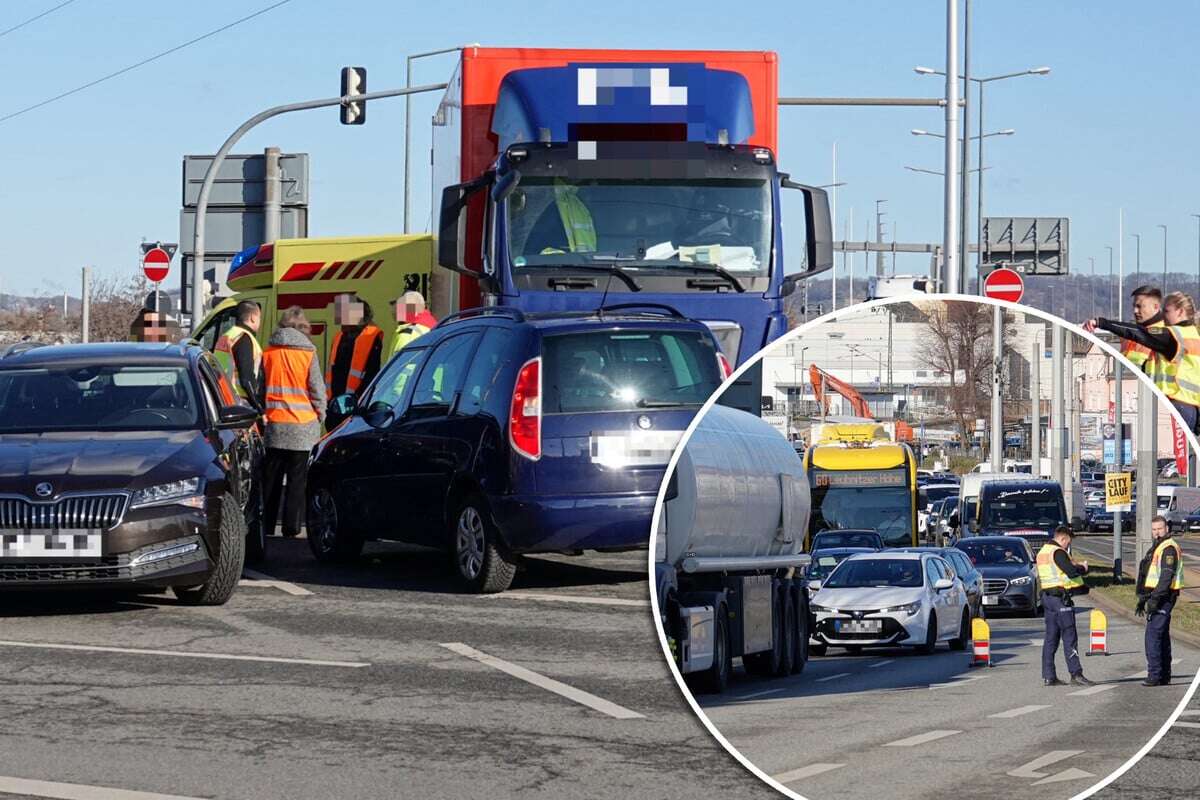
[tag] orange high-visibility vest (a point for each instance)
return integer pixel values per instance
(285, 373)
(1138, 354)
(358, 361)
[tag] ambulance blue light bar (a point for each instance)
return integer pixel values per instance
(630, 102)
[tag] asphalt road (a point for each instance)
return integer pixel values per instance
(384, 684)
(931, 727)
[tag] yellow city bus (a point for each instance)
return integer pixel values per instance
(861, 479)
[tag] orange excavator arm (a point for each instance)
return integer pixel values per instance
(822, 380)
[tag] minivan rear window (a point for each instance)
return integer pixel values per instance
(623, 370)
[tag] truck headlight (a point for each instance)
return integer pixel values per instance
(1024, 580)
(184, 493)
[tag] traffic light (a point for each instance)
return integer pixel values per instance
(354, 83)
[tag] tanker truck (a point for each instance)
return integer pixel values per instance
(728, 552)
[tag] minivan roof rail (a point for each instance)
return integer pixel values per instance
(661, 308)
(19, 347)
(485, 311)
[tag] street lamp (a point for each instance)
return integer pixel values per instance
(1111, 304)
(1092, 261)
(1005, 132)
(1138, 236)
(933, 171)
(1164, 230)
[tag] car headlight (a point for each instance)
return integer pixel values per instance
(184, 493)
(1024, 580)
(909, 609)
(825, 609)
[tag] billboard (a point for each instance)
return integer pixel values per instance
(1029, 245)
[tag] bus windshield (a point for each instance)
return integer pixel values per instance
(642, 224)
(886, 509)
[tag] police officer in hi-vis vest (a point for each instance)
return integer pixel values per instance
(1160, 577)
(240, 355)
(1060, 578)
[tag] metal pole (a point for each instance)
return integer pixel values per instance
(879, 238)
(1092, 261)
(1112, 308)
(862, 101)
(1073, 500)
(86, 312)
(979, 190)
(950, 188)
(272, 196)
(965, 176)
(1035, 408)
(848, 260)
(408, 62)
(1118, 382)
(1058, 423)
(1147, 461)
(1164, 286)
(211, 175)
(833, 216)
(997, 444)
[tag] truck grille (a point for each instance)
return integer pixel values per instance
(994, 585)
(91, 512)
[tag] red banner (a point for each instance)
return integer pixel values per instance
(1181, 446)
(1112, 411)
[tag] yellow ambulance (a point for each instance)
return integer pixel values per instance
(310, 273)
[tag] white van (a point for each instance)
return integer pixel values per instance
(1175, 503)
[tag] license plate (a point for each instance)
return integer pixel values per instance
(50, 544)
(858, 626)
(989, 600)
(634, 449)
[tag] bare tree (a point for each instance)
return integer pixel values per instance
(116, 301)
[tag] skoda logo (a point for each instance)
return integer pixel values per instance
(43, 490)
(644, 422)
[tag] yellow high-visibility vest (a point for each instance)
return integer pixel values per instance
(1155, 571)
(1140, 355)
(223, 351)
(1179, 378)
(576, 219)
(1049, 574)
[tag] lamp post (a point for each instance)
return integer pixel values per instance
(408, 70)
(1092, 261)
(1164, 230)
(1138, 260)
(1111, 305)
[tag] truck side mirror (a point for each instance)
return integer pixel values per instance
(819, 227)
(452, 230)
(505, 184)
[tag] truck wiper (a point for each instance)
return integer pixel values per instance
(703, 269)
(611, 269)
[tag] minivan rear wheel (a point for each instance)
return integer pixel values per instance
(480, 559)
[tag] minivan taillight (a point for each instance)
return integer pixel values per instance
(525, 416)
(726, 367)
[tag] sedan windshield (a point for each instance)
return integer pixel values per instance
(862, 573)
(105, 397)
(656, 224)
(828, 539)
(994, 552)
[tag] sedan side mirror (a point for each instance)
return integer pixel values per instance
(814, 586)
(236, 416)
(943, 584)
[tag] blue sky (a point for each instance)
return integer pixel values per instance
(84, 179)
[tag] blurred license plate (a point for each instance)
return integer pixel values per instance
(634, 449)
(991, 600)
(50, 544)
(858, 625)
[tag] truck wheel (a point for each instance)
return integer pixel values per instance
(715, 679)
(479, 556)
(787, 658)
(800, 604)
(328, 537)
(230, 558)
(766, 663)
(964, 632)
(930, 636)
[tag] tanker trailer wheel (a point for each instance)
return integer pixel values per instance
(766, 663)
(714, 679)
(800, 638)
(787, 660)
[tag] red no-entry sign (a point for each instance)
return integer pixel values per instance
(1004, 284)
(156, 263)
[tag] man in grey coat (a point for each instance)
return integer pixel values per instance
(294, 399)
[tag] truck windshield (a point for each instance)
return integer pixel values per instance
(619, 370)
(650, 224)
(1009, 509)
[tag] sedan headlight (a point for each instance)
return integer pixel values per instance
(909, 609)
(825, 609)
(1024, 580)
(183, 493)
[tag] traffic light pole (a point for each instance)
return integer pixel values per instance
(211, 175)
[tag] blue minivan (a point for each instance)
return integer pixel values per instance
(500, 433)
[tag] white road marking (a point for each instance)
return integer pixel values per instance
(880, 663)
(833, 677)
(1091, 690)
(1135, 676)
(956, 683)
(570, 598)
(541, 681)
(805, 772)
(259, 579)
(1190, 714)
(182, 654)
(1030, 770)
(1187, 724)
(1175, 661)
(77, 791)
(759, 694)
(1035, 642)
(1017, 712)
(1071, 774)
(921, 738)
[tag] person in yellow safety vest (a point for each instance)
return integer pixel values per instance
(295, 408)
(576, 218)
(1160, 577)
(1060, 579)
(1148, 316)
(356, 354)
(240, 355)
(412, 320)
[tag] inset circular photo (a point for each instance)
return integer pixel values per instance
(936, 548)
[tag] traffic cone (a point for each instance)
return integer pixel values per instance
(981, 633)
(1098, 640)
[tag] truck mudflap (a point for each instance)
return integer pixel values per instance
(694, 645)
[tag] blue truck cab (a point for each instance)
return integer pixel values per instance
(633, 181)
(502, 432)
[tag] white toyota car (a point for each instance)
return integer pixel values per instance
(890, 599)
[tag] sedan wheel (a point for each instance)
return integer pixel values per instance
(327, 535)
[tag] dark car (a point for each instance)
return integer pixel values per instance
(125, 465)
(500, 433)
(824, 560)
(1099, 519)
(1028, 508)
(1191, 523)
(965, 569)
(847, 537)
(1010, 581)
